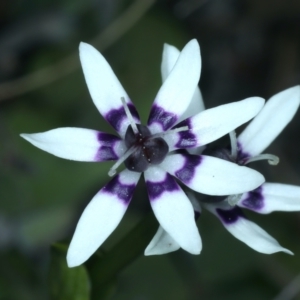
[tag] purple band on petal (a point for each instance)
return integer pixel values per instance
(164, 118)
(242, 156)
(186, 173)
(186, 138)
(230, 216)
(106, 150)
(155, 189)
(254, 200)
(123, 191)
(115, 117)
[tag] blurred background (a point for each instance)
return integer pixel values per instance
(249, 48)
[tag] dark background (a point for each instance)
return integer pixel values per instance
(249, 48)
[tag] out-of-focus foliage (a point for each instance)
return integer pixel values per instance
(249, 48)
(66, 283)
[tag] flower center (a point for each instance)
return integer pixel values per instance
(147, 149)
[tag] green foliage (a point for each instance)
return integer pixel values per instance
(66, 283)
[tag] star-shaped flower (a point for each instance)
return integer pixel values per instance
(258, 135)
(143, 149)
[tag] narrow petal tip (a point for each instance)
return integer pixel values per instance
(83, 45)
(71, 263)
(25, 136)
(75, 259)
(287, 251)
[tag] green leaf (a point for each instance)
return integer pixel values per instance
(66, 283)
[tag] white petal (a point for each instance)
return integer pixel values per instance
(246, 231)
(173, 209)
(170, 56)
(105, 88)
(272, 197)
(195, 107)
(269, 123)
(78, 144)
(101, 217)
(161, 243)
(214, 123)
(210, 175)
(177, 91)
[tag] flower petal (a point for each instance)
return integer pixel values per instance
(177, 91)
(272, 119)
(213, 123)
(162, 242)
(78, 144)
(195, 107)
(272, 197)
(173, 209)
(101, 217)
(170, 56)
(105, 89)
(210, 175)
(246, 231)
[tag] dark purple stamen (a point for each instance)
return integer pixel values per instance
(148, 150)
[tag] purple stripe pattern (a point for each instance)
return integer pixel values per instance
(164, 118)
(230, 216)
(186, 138)
(115, 117)
(156, 189)
(186, 173)
(106, 150)
(242, 156)
(254, 200)
(123, 191)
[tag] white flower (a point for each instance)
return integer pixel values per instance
(149, 149)
(269, 197)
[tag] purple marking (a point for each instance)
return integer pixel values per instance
(164, 118)
(115, 117)
(242, 156)
(186, 173)
(186, 138)
(123, 191)
(254, 200)
(106, 150)
(155, 189)
(230, 216)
